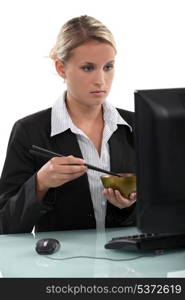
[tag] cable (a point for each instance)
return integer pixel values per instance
(105, 258)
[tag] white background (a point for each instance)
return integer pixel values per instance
(150, 36)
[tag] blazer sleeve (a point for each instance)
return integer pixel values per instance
(19, 208)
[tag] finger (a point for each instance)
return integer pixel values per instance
(125, 202)
(66, 177)
(71, 160)
(115, 197)
(69, 169)
(112, 194)
(109, 194)
(132, 196)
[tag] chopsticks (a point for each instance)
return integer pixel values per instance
(39, 151)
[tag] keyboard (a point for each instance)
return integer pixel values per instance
(153, 241)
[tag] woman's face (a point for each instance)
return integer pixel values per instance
(89, 73)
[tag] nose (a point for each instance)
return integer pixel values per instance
(99, 78)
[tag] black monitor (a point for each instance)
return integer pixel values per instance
(160, 160)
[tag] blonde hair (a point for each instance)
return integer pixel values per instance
(76, 32)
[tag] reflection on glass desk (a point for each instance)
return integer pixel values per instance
(18, 257)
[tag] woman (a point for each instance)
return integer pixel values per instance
(62, 193)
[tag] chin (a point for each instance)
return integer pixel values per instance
(98, 101)
(98, 97)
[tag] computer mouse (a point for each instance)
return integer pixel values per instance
(47, 246)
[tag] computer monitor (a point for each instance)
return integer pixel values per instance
(160, 160)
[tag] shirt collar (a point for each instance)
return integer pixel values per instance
(61, 121)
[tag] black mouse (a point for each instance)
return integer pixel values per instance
(47, 246)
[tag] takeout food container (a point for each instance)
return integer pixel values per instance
(126, 184)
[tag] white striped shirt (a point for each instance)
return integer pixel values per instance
(61, 121)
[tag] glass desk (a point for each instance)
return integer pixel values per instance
(18, 257)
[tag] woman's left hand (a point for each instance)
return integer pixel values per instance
(115, 198)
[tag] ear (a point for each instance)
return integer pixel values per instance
(59, 65)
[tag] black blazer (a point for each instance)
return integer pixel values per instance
(66, 207)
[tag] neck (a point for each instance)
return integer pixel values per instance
(81, 113)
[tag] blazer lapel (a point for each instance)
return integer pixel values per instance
(122, 150)
(116, 144)
(122, 160)
(66, 143)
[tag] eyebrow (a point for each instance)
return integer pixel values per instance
(91, 63)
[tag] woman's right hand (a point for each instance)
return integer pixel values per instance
(58, 171)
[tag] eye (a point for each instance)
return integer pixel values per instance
(108, 67)
(87, 68)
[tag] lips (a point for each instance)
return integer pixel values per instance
(98, 91)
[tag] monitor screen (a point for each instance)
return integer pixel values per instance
(160, 160)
